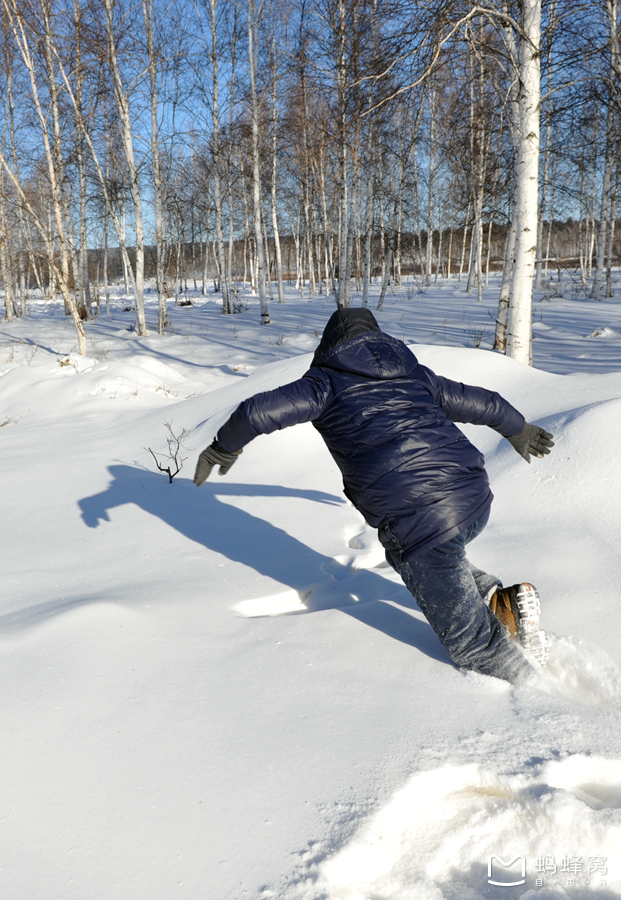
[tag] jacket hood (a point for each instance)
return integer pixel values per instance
(353, 342)
(343, 325)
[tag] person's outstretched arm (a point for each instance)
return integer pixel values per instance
(300, 401)
(479, 406)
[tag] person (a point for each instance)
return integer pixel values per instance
(389, 424)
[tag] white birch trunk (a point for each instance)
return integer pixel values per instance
(385, 279)
(205, 262)
(215, 143)
(611, 117)
(550, 228)
(471, 251)
(82, 256)
(124, 257)
(327, 235)
(162, 318)
(582, 253)
(519, 328)
(69, 260)
(296, 241)
(464, 241)
(105, 260)
(598, 278)
(274, 205)
(432, 171)
(611, 237)
(4, 250)
(449, 252)
(542, 208)
(268, 260)
(229, 171)
(489, 250)
(256, 164)
(122, 105)
(277, 247)
(368, 234)
(20, 211)
(344, 217)
(500, 339)
(320, 277)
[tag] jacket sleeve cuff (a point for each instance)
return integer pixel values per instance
(513, 428)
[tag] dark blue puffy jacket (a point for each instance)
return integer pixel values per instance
(388, 423)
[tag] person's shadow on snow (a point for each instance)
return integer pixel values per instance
(204, 516)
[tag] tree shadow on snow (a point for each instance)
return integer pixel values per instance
(205, 517)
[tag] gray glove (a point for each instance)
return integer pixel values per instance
(532, 439)
(214, 455)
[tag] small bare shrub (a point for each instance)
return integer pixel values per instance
(174, 458)
(477, 334)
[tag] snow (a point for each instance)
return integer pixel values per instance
(225, 692)
(432, 838)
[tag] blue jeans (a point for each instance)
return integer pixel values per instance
(451, 592)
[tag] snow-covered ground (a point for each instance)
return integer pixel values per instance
(224, 693)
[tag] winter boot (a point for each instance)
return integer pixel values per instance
(518, 609)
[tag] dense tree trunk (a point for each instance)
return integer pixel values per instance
(51, 150)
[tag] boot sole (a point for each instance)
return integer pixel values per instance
(527, 611)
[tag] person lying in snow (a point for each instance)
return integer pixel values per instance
(388, 423)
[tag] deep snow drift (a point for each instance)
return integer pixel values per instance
(224, 692)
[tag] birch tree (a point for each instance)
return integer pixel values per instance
(611, 147)
(253, 50)
(274, 60)
(214, 56)
(526, 137)
(121, 96)
(158, 186)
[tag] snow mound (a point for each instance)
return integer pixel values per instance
(603, 332)
(157, 368)
(451, 831)
(120, 379)
(584, 466)
(124, 380)
(74, 363)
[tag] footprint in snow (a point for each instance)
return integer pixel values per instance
(349, 583)
(337, 592)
